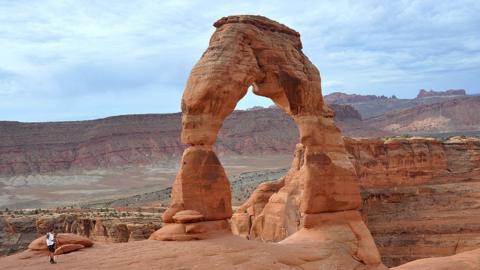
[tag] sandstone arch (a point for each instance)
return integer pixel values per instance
(254, 50)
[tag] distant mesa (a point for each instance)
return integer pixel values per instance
(430, 93)
(342, 98)
(255, 108)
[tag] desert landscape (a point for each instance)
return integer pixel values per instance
(314, 181)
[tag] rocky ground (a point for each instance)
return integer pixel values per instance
(121, 186)
(222, 252)
(428, 208)
(19, 227)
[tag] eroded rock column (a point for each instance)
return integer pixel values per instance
(320, 192)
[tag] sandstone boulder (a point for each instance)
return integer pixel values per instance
(62, 239)
(68, 248)
(188, 216)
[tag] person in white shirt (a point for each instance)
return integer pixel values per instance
(51, 241)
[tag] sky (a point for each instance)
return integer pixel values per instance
(78, 60)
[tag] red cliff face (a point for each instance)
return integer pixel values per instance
(421, 198)
(451, 115)
(397, 162)
(31, 148)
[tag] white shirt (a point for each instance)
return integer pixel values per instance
(50, 239)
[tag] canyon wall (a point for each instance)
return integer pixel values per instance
(421, 198)
(18, 231)
(32, 148)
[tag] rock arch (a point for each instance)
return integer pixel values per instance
(254, 50)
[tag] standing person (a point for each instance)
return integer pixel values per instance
(51, 241)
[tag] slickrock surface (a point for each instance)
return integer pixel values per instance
(221, 252)
(466, 261)
(421, 198)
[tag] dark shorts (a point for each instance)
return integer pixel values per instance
(51, 248)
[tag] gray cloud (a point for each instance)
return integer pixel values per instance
(76, 60)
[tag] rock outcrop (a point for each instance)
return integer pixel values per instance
(434, 214)
(253, 50)
(420, 198)
(16, 233)
(372, 106)
(62, 239)
(42, 148)
(451, 115)
(452, 92)
(397, 161)
(466, 261)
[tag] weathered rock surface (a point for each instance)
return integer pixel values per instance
(435, 215)
(223, 252)
(466, 261)
(452, 115)
(397, 162)
(66, 248)
(421, 198)
(62, 239)
(17, 233)
(371, 106)
(253, 50)
(32, 148)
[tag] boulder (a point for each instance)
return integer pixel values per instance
(188, 216)
(68, 248)
(62, 239)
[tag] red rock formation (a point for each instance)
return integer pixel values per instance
(18, 232)
(452, 115)
(396, 162)
(68, 248)
(421, 198)
(466, 261)
(434, 215)
(32, 148)
(62, 239)
(241, 53)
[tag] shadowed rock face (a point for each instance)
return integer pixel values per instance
(421, 198)
(253, 50)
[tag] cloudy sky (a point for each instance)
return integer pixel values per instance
(75, 60)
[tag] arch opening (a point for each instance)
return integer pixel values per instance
(321, 185)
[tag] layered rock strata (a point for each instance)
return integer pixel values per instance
(253, 50)
(421, 198)
(43, 148)
(16, 233)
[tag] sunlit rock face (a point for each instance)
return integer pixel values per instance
(254, 50)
